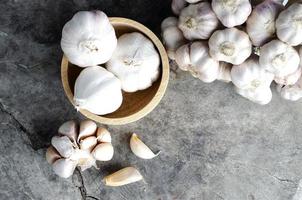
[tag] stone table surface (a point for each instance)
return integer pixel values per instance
(214, 144)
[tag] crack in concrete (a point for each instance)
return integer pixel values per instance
(82, 187)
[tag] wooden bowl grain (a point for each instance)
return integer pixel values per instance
(135, 105)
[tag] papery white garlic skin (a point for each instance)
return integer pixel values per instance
(64, 167)
(168, 22)
(69, 129)
(289, 24)
(87, 128)
(123, 177)
(103, 135)
(135, 62)
(103, 152)
(279, 58)
(261, 95)
(52, 155)
(224, 73)
(63, 145)
(198, 21)
(88, 38)
(232, 12)
(290, 79)
(172, 38)
(98, 91)
(83, 158)
(140, 149)
(230, 45)
(177, 6)
(260, 25)
(194, 57)
(250, 75)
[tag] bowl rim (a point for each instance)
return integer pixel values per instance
(156, 98)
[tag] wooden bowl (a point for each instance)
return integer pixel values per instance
(137, 104)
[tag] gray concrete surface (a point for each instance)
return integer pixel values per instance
(215, 145)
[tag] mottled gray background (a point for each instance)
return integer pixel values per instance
(215, 145)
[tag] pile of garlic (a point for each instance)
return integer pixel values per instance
(232, 40)
(78, 145)
(131, 61)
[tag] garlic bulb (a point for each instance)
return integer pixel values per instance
(224, 73)
(198, 21)
(66, 153)
(140, 149)
(88, 39)
(289, 24)
(232, 12)
(173, 38)
(135, 62)
(98, 91)
(250, 75)
(261, 95)
(230, 45)
(177, 6)
(289, 79)
(168, 22)
(291, 92)
(279, 58)
(194, 57)
(123, 177)
(260, 25)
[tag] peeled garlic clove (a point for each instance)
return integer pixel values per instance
(123, 177)
(168, 22)
(289, 79)
(87, 128)
(224, 73)
(88, 143)
(103, 152)
(63, 145)
(177, 6)
(140, 149)
(64, 167)
(52, 155)
(103, 135)
(69, 129)
(98, 91)
(173, 38)
(260, 25)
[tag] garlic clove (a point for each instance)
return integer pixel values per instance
(63, 145)
(140, 149)
(123, 177)
(64, 167)
(289, 79)
(52, 155)
(177, 6)
(87, 128)
(103, 152)
(103, 135)
(69, 129)
(88, 143)
(224, 73)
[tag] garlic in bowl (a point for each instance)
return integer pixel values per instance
(135, 105)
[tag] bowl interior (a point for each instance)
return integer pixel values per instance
(132, 102)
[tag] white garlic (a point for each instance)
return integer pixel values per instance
(98, 91)
(103, 152)
(193, 1)
(261, 95)
(198, 21)
(52, 155)
(279, 58)
(250, 75)
(84, 159)
(289, 24)
(88, 38)
(140, 149)
(232, 12)
(64, 167)
(289, 79)
(123, 177)
(194, 57)
(103, 135)
(70, 130)
(135, 62)
(224, 73)
(87, 128)
(172, 38)
(88, 143)
(260, 25)
(63, 145)
(291, 92)
(169, 22)
(230, 45)
(177, 6)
